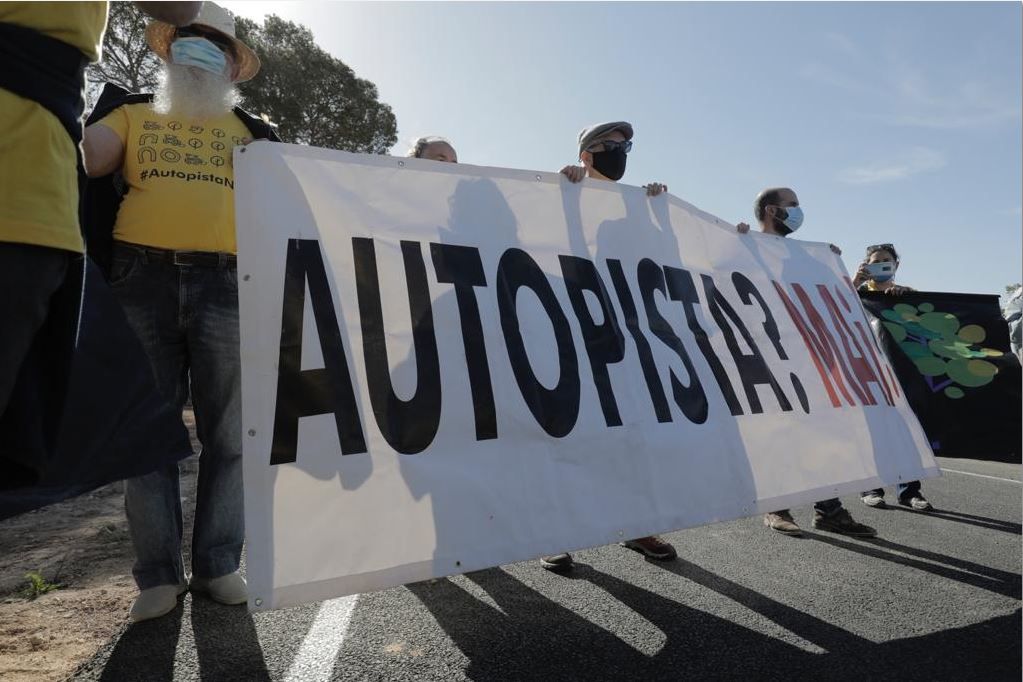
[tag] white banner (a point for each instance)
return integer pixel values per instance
(447, 367)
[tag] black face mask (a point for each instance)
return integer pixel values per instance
(610, 164)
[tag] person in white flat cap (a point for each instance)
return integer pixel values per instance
(172, 266)
(603, 151)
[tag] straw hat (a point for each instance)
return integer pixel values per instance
(159, 36)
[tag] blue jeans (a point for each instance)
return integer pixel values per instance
(187, 320)
(905, 490)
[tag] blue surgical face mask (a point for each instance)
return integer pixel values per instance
(200, 53)
(793, 218)
(881, 271)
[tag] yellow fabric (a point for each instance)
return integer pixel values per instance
(181, 179)
(38, 176)
(79, 24)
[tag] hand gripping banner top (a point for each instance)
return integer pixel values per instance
(448, 367)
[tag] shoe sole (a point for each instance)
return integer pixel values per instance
(929, 507)
(798, 532)
(877, 505)
(200, 589)
(648, 554)
(556, 568)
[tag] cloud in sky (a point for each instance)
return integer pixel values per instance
(911, 98)
(915, 161)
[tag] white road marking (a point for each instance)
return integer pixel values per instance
(997, 478)
(315, 659)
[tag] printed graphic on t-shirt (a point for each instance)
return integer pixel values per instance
(194, 155)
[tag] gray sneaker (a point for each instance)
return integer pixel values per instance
(842, 522)
(782, 522)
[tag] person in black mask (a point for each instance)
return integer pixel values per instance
(603, 151)
(778, 212)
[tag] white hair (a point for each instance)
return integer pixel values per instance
(194, 94)
(420, 144)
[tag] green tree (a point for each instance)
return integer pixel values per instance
(127, 60)
(314, 98)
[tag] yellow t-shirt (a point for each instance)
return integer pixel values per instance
(180, 176)
(38, 176)
(79, 24)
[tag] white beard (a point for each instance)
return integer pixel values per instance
(194, 94)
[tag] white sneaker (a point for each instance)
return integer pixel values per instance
(155, 602)
(873, 500)
(228, 589)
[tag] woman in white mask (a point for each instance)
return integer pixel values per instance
(877, 273)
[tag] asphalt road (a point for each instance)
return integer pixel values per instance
(936, 597)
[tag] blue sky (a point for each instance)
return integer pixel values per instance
(893, 122)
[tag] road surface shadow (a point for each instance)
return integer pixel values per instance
(145, 651)
(970, 519)
(977, 575)
(530, 637)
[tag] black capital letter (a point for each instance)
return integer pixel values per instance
(462, 266)
(304, 393)
(605, 343)
(692, 399)
(681, 288)
(408, 425)
(753, 369)
(557, 409)
(646, 358)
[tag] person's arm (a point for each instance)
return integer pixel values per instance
(861, 276)
(176, 13)
(655, 188)
(102, 151)
(574, 173)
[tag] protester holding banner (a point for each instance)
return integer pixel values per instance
(433, 148)
(603, 151)
(50, 325)
(1014, 316)
(173, 268)
(877, 273)
(778, 212)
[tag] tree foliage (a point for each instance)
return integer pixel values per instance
(311, 96)
(127, 60)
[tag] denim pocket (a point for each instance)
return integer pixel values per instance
(122, 268)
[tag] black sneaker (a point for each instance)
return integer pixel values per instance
(558, 562)
(842, 522)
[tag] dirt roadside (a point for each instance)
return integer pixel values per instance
(83, 545)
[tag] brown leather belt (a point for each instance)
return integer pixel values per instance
(202, 259)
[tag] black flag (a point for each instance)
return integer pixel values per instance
(952, 357)
(85, 410)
